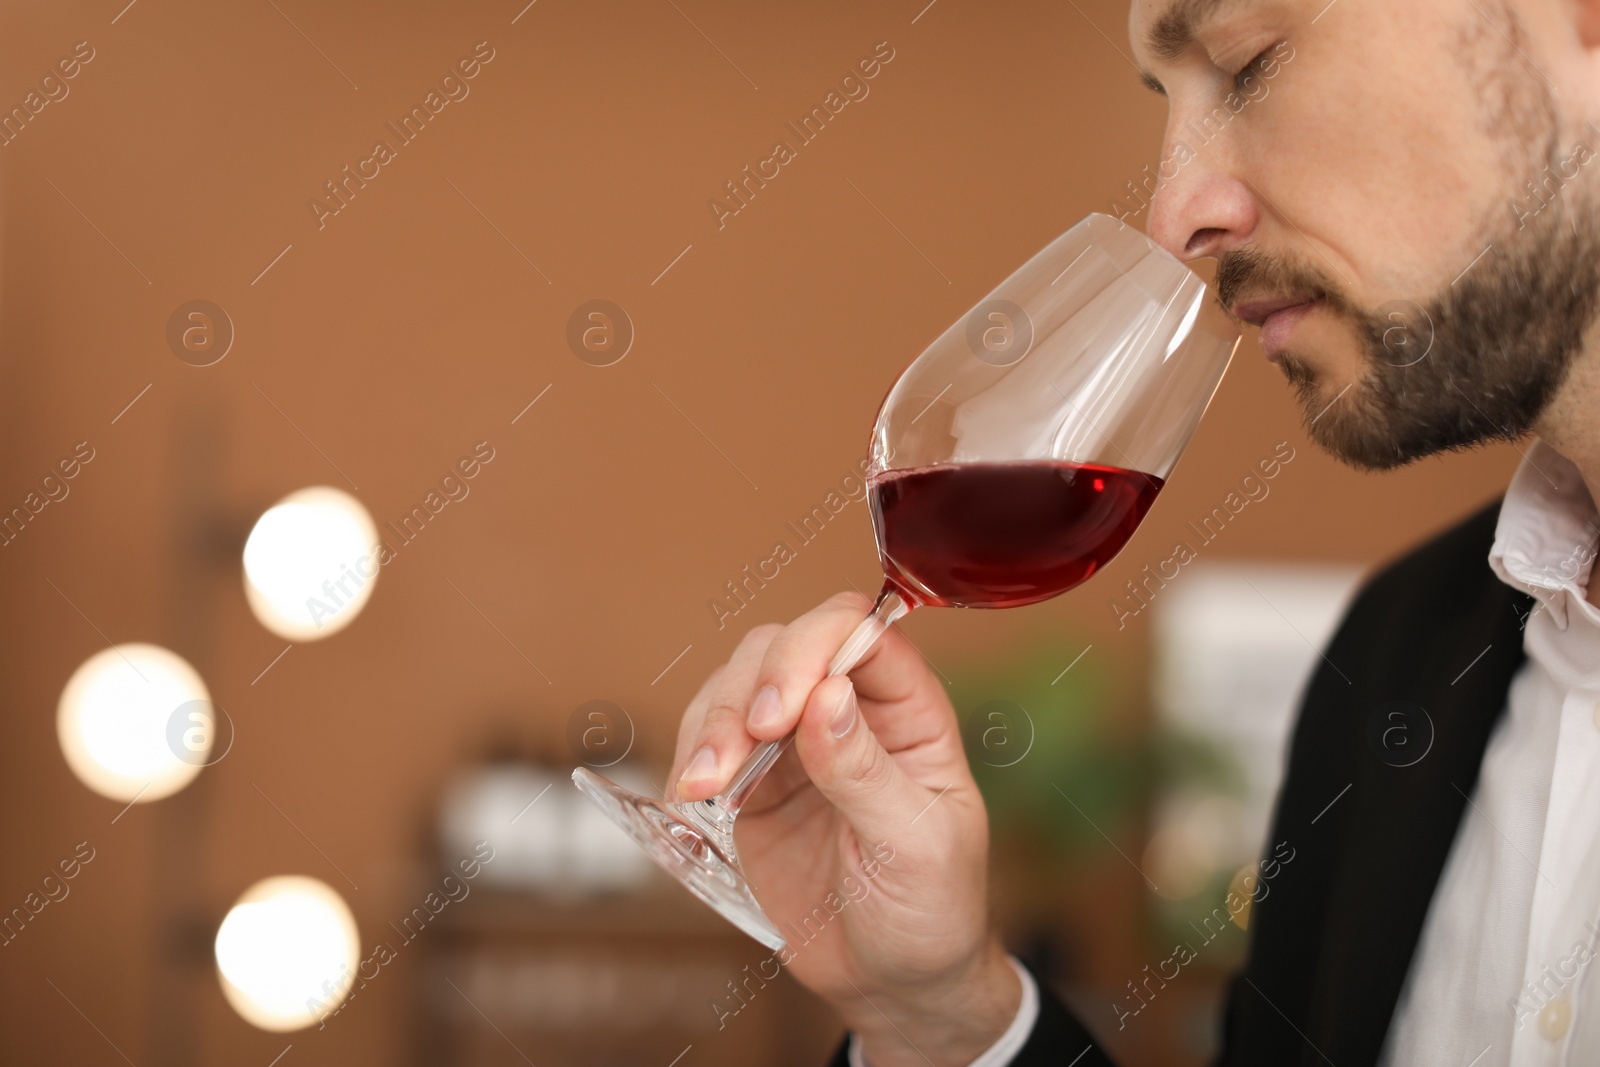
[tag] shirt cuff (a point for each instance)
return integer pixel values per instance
(1010, 1043)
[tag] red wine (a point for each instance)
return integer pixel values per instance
(999, 535)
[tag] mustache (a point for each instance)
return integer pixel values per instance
(1252, 272)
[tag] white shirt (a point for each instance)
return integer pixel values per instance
(1502, 974)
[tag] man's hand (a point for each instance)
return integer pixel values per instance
(870, 827)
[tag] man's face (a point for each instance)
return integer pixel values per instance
(1402, 193)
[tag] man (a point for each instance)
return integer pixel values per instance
(1411, 219)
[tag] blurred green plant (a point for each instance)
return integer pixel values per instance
(1057, 769)
(1048, 755)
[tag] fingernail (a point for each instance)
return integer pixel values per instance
(703, 765)
(766, 708)
(845, 717)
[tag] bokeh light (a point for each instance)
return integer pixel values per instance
(287, 952)
(310, 563)
(122, 725)
(1188, 851)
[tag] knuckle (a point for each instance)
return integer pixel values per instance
(874, 774)
(721, 719)
(779, 649)
(854, 601)
(703, 695)
(760, 636)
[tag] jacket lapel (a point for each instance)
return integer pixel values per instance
(1401, 818)
(1384, 755)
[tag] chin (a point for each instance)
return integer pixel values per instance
(1316, 387)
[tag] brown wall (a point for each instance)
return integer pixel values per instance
(408, 328)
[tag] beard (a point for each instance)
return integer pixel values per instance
(1480, 359)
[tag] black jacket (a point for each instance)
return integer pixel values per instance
(1331, 942)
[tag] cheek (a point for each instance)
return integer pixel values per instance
(1376, 154)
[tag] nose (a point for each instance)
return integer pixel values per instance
(1201, 211)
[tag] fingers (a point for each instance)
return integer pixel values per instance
(910, 709)
(712, 740)
(797, 659)
(843, 758)
(764, 689)
(689, 728)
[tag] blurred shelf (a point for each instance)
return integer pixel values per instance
(641, 980)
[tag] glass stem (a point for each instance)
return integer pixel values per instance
(720, 810)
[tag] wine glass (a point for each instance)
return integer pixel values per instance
(1008, 463)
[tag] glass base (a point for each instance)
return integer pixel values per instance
(687, 846)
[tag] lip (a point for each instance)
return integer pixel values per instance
(1277, 319)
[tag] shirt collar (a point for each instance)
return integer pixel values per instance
(1545, 541)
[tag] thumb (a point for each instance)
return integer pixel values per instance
(851, 769)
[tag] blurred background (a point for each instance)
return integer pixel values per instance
(575, 400)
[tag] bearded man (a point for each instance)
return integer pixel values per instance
(1413, 222)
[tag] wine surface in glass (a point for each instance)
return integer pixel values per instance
(1000, 535)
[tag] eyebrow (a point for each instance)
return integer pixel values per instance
(1173, 32)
